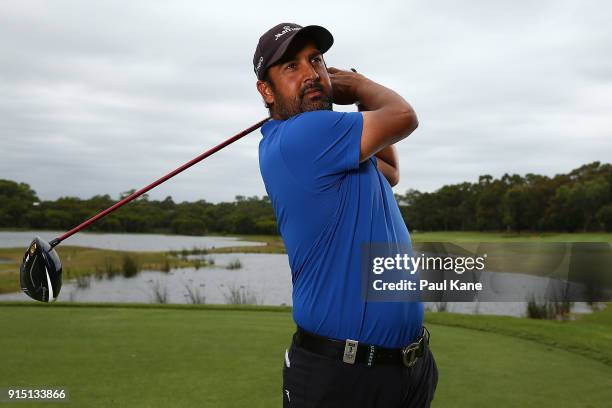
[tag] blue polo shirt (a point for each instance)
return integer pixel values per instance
(327, 204)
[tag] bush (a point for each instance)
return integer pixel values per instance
(166, 265)
(130, 266)
(194, 296)
(235, 264)
(160, 292)
(239, 296)
(548, 309)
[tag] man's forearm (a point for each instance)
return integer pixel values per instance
(387, 160)
(372, 96)
(389, 118)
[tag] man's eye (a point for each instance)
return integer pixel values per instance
(291, 66)
(317, 59)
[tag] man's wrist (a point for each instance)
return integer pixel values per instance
(360, 89)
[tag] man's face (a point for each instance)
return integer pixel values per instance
(298, 83)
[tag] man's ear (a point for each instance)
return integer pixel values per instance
(265, 90)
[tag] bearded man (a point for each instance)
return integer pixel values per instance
(329, 176)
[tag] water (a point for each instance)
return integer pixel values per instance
(122, 242)
(265, 278)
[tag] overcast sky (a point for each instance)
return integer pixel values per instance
(102, 97)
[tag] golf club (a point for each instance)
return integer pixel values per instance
(40, 273)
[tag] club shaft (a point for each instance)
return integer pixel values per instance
(143, 190)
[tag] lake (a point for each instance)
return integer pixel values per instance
(263, 278)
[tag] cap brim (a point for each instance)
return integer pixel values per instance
(321, 36)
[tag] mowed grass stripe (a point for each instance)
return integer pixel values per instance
(589, 335)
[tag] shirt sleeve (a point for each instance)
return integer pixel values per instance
(319, 147)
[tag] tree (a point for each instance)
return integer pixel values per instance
(604, 216)
(516, 207)
(16, 200)
(489, 211)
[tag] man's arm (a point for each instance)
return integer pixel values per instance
(387, 160)
(387, 118)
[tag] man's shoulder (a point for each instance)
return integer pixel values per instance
(320, 123)
(319, 117)
(310, 119)
(311, 136)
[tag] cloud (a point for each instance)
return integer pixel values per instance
(105, 97)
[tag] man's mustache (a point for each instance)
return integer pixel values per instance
(315, 87)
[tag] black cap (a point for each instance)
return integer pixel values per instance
(274, 43)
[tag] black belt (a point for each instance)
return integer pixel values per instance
(351, 351)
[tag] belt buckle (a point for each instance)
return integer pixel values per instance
(409, 356)
(409, 353)
(350, 351)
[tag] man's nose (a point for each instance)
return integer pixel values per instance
(311, 73)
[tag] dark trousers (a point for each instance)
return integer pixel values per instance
(314, 381)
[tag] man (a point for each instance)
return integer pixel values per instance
(329, 176)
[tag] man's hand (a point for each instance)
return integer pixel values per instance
(387, 117)
(344, 85)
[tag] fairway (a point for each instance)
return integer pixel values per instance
(227, 357)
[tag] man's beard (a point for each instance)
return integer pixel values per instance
(286, 108)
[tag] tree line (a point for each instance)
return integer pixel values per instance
(21, 208)
(578, 201)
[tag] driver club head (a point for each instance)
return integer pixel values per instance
(41, 272)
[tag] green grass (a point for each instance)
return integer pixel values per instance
(273, 245)
(479, 369)
(146, 357)
(474, 236)
(220, 356)
(589, 335)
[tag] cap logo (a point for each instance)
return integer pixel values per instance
(259, 65)
(286, 29)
